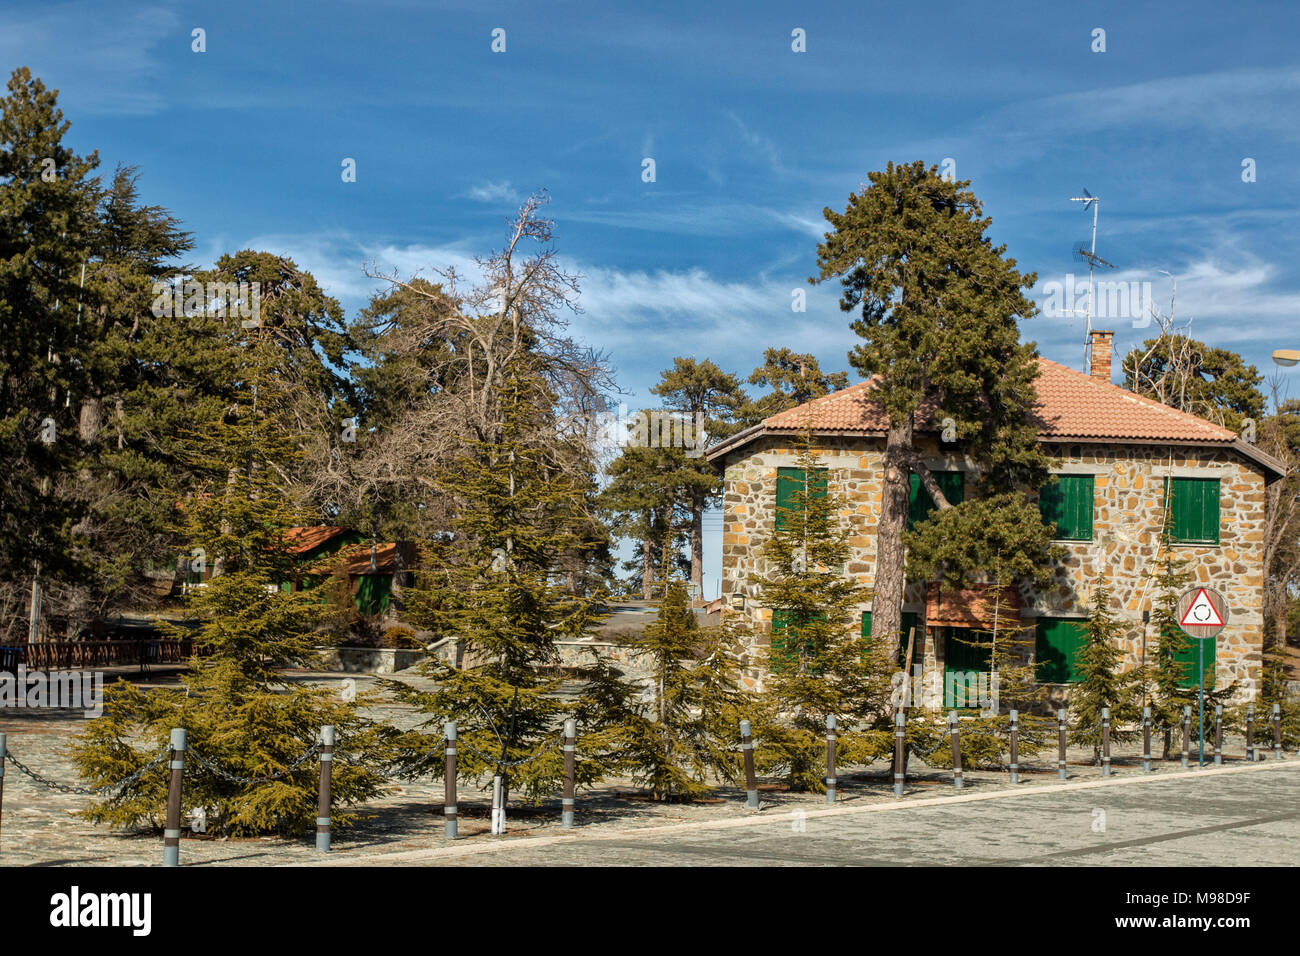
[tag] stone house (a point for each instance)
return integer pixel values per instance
(1120, 460)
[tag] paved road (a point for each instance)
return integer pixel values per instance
(1242, 816)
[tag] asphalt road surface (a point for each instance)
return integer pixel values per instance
(1243, 816)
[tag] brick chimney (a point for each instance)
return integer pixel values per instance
(1099, 356)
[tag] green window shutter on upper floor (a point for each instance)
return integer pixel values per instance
(1193, 505)
(1056, 649)
(790, 484)
(1068, 502)
(919, 502)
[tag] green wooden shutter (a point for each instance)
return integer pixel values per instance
(961, 656)
(1194, 509)
(784, 636)
(1187, 657)
(919, 502)
(1069, 503)
(789, 488)
(1056, 649)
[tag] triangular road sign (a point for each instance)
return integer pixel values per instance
(1201, 612)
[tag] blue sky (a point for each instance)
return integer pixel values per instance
(751, 140)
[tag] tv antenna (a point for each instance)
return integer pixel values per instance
(1089, 255)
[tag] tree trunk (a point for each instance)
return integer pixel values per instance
(887, 599)
(697, 539)
(647, 569)
(401, 562)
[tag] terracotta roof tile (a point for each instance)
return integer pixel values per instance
(1070, 405)
(304, 539)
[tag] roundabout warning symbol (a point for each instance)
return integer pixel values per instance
(1202, 612)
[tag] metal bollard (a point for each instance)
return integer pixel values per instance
(1250, 732)
(751, 781)
(449, 782)
(570, 751)
(1277, 736)
(830, 759)
(1105, 741)
(498, 807)
(324, 797)
(954, 731)
(899, 735)
(1015, 746)
(2, 776)
(172, 830)
(1060, 743)
(1218, 733)
(1187, 733)
(1146, 739)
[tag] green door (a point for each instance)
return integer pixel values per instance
(966, 666)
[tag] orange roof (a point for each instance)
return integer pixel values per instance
(356, 560)
(304, 539)
(1069, 406)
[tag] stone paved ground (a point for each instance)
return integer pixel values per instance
(39, 826)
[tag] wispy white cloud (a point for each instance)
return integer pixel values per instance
(100, 64)
(494, 192)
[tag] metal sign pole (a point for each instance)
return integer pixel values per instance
(1200, 691)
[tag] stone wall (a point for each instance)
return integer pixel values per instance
(1127, 523)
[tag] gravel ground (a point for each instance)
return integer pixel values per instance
(39, 826)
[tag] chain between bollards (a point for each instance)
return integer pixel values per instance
(570, 753)
(1105, 741)
(830, 759)
(172, 829)
(751, 781)
(1015, 746)
(954, 731)
(900, 777)
(324, 797)
(449, 802)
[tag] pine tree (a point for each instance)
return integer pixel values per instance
(816, 664)
(1102, 682)
(939, 307)
(242, 715)
(794, 378)
(677, 736)
(47, 232)
(645, 502)
(702, 393)
(498, 594)
(1166, 691)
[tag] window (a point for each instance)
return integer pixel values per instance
(791, 485)
(1187, 657)
(1057, 648)
(1068, 502)
(784, 638)
(919, 502)
(907, 623)
(1193, 505)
